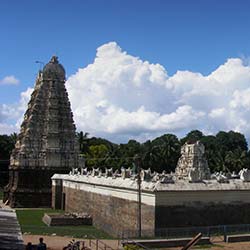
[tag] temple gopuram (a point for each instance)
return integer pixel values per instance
(46, 143)
(193, 164)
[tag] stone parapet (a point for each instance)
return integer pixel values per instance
(110, 213)
(154, 186)
(113, 202)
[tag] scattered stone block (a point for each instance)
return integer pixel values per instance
(245, 174)
(70, 219)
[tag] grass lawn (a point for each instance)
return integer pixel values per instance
(31, 222)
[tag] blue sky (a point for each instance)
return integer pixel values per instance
(189, 35)
(194, 36)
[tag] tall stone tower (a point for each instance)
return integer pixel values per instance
(46, 143)
(192, 159)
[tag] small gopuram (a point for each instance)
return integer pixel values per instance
(192, 164)
(46, 143)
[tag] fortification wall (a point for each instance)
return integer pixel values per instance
(202, 215)
(112, 214)
(202, 197)
(114, 207)
(202, 208)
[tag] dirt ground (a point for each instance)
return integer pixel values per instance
(220, 246)
(58, 242)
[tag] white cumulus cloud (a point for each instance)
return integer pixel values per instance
(119, 94)
(119, 97)
(9, 80)
(11, 115)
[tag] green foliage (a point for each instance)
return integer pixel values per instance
(192, 137)
(131, 247)
(162, 153)
(83, 142)
(226, 151)
(212, 152)
(7, 143)
(96, 155)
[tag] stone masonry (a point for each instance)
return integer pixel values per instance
(111, 214)
(113, 209)
(192, 163)
(46, 143)
(112, 201)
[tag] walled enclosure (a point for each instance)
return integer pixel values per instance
(114, 206)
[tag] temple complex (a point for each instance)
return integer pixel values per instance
(46, 143)
(189, 197)
(46, 149)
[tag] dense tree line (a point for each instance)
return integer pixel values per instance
(7, 143)
(225, 151)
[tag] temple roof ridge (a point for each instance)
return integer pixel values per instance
(54, 59)
(53, 69)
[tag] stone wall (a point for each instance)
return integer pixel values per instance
(32, 187)
(57, 195)
(197, 198)
(172, 209)
(202, 215)
(112, 214)
(202, 208)
(112, 202)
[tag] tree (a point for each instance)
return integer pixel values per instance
(96, 155)
(227, 151)
(165, 152)
(83, 142)
(235, 160)
(152, 159)
(192, 137)
(230, 141)
(114, 159)
(7, 144)
(211, 152)
(127, 152)
(232, 150)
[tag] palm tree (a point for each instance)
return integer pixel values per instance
(236, 159)
(13, 138)
(169, 151)
(153, 159)
(221, 162)
(83, 141)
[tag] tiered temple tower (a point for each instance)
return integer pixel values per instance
(46, 143)
(192, 159)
